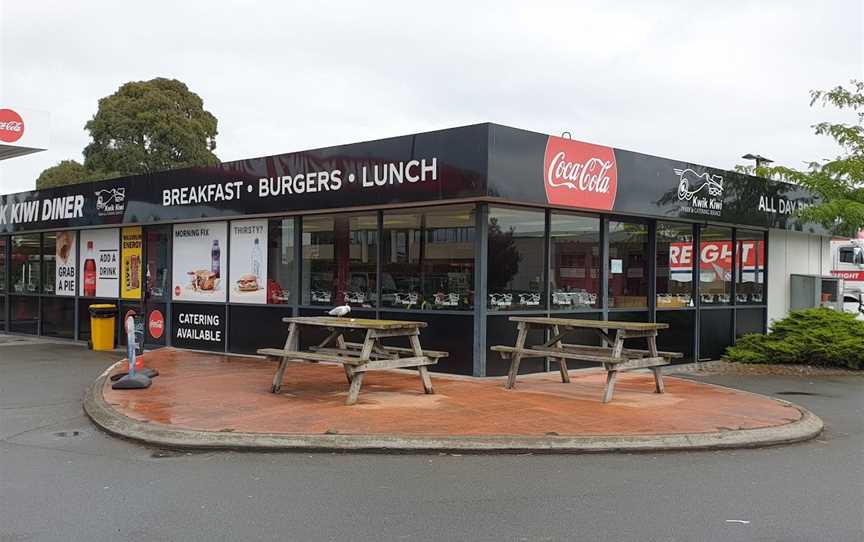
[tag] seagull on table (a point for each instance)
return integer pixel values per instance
(339, 311)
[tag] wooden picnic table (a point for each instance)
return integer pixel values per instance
(613, 356)
(356, 358)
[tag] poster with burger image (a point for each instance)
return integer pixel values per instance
(199, 270)
(65, 271)
(248, 262)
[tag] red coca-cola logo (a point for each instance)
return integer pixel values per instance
(579, 174)
(11, 126)
(156, 324)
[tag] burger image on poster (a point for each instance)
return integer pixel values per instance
(199, 270)
(248, 264)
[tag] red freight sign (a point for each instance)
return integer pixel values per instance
(11, 126)
(849, 275)
(717, 253)
(579, 174)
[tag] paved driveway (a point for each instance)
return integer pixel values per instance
(60, 479)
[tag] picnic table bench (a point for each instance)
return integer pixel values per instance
(356, 357)
(613, 356)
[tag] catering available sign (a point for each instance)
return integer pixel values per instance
(198, 326)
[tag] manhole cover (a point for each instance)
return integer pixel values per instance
(67, 434)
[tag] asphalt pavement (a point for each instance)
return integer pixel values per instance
(62, 479)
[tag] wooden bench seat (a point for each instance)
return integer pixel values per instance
(618, 363)
(401, 350)
(307, 356)
(628, 352)
(358, 366)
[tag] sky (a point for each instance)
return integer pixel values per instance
(704, 82)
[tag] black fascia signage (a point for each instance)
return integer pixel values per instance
(536, 168)
(431, 166)
(478, 161)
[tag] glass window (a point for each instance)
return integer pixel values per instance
(49, 262)
(156, 239)
(575, 261)
(750, 271)
(428, 258)
(628, 264)
(515, 259)
(25, 270)
(674, 265)
(280, 261)
(851, 255)
(401, 260)
(715, 266)
(3, 263)
(339, 260)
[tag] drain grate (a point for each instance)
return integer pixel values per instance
(67, 434)
(798, 393)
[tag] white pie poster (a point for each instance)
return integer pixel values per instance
(64, 273)
(103, 247)
(199, 269)
(248, 262)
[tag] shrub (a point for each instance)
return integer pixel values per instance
(811, 336)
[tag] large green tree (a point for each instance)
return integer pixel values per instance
(145, 126)
(149, 126)
(838, 181)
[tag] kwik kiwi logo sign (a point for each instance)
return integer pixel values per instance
(110, 201)
(700, 193)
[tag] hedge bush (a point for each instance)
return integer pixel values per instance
(811, 336)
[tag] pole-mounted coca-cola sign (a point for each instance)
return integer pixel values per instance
(580, 174)
(11, 126)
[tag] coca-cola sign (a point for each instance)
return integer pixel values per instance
(580, 174)
(11, 126)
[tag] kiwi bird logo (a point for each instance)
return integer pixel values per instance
(688, 179)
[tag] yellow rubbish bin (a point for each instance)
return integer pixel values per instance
(102, 326)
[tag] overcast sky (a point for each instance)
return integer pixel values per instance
(699, 81)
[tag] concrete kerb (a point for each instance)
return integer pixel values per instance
(104, 416)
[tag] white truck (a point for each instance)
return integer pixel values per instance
(847, 263)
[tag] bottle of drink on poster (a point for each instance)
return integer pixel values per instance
(214, 255)
(90, 272)
(256, 260)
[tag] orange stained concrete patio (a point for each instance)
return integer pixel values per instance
(214, 392)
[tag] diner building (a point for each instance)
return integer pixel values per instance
(460, 228)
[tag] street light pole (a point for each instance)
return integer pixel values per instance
(759, 159)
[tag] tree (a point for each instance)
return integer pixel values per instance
(149, 126)
(65, 173)
(145, 126)
(839, 182)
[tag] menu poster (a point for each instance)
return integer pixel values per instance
(199, 264)
(64, 279)
(130, 256)
(99, 263)
(248, 262)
